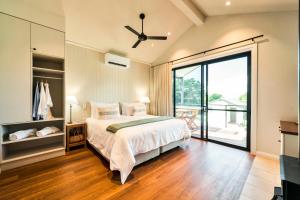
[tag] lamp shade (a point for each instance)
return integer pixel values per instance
(72, 100)
(145, 99)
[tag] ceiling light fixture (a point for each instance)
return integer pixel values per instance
(228, 3)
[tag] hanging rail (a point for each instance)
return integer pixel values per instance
(213, 49)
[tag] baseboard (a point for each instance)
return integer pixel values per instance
(266, 155)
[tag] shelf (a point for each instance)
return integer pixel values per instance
(49, 120)
(37, 121)
(47, 57)
(47, 77)
(76, 143)
(33, 138)
(32, 152)
(52, 71)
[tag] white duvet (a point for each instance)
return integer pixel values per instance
(121, 147)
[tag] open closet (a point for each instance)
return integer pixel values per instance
(31, 55)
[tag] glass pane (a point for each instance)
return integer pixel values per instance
(188, 96)
(228, 127)
(227, 84)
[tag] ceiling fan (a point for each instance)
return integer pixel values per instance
(142, 36)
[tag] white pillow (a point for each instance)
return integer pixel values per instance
(107, 112)
(127, 109)
(139, 110)
(95, 105)
(133, 109)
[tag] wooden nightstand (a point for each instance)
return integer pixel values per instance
(76, 135)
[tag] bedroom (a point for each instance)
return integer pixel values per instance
(223, 72)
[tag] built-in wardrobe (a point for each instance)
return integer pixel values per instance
(30, 53)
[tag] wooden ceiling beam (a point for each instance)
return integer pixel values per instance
(189, 9)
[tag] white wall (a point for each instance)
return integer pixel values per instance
(37, 11)
(277, 63)
(88, 78)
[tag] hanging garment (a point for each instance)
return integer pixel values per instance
(49, 104)
(36, 102)
(42, 103)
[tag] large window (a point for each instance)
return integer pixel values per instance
(213, 97)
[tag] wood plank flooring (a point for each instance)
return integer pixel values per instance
(202, 171)
(263, 177)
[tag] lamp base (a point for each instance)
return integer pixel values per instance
(70, 122)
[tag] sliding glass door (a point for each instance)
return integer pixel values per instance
(213, 97)
(188, 97)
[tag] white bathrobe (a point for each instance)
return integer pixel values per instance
(42, 103)
(45, 102)
(49, 103)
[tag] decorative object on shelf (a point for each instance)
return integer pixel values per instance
(72, 100)
(76, 135)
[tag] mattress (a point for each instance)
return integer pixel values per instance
(121, 148)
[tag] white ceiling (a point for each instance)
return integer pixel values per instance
(100, 23)
(52, 6)
(217, 7)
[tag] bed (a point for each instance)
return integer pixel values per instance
(134, 145)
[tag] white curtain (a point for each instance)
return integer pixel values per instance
(161, 90)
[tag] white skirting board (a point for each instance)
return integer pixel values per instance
(266, 155)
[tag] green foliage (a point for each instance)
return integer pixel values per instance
(190, 90)
(243, 98)
(214, 97)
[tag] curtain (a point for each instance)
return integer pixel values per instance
(161, 95)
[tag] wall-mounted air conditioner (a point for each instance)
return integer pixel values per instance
(111, 59)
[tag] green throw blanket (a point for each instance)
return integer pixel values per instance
(115, 127)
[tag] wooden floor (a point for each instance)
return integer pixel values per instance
(202, 171)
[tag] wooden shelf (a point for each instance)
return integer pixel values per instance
(287, 127)
(47, 77)
(47, 57)
(33, 138)
(37, 121)
(52, 71)
(77, 143)
(32, 152)
(48, 120)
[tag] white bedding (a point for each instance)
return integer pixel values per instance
(121, 147)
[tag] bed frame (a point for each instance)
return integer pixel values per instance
(143, 157)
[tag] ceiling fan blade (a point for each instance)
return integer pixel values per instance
(157, 37)
(132, 30)
(136, 44)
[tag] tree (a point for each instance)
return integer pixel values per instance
(189, 89)
(243, 98)
(214, 97)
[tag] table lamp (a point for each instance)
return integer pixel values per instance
(72, 100)
(145, 100)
